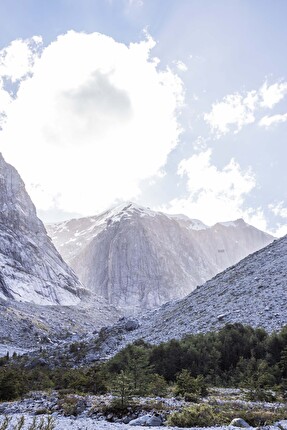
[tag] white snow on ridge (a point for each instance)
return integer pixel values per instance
(192, 224)
(228, 223)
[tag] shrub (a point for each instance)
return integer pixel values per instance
(157, 386)
(194, 416)
(260, 395)
(186, 383)
(11, 384)
(71, 405)
(191, 397)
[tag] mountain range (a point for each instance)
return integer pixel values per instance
(130, 260)
(138, 259)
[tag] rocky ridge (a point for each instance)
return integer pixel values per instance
(31, 269)
(138, 259)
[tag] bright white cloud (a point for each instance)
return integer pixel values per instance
(232, 113)
(213, 194)
(18, 59)
(94, 119)
(181, 66)
(280, 231)
(268, 121)
(135, 2)
(272, 94)
(237, 110)
(5, 100)
(257, 218)
(278, 209)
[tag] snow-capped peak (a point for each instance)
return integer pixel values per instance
(192, 224)
(234, 223)
(128, 208)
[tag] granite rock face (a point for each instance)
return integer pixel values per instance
(252, 292)
(31, 269)
(138, 259)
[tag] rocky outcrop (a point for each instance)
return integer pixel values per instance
(138, 259)
(31, 269)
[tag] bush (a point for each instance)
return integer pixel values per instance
(191, 397)
(194, 416)
(118, 409)
(260, 395)
(72, 405)
(157, 386)
(259, 418)
(187, 384)
(11, 384)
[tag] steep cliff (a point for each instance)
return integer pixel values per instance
(31, 269)
(138, 259)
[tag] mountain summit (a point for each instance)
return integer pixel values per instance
(139, 259)
(31, 268)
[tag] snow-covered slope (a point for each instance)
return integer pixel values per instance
(31, 269)
(138, 258)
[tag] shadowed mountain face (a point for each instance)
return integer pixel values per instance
(139, 259)
(31, 269)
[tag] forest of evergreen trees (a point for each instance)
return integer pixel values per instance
(236, 356)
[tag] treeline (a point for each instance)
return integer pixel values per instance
(236, 356)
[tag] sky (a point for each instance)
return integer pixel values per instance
(178, 105)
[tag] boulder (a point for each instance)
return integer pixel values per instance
(131, 325)
(146, 420)
(154, 421)
(239, 422)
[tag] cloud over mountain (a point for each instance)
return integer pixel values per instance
(90, 110)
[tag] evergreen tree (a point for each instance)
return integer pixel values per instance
(122, 386)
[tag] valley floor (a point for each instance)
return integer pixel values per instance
(66, 423)
(51, 411)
